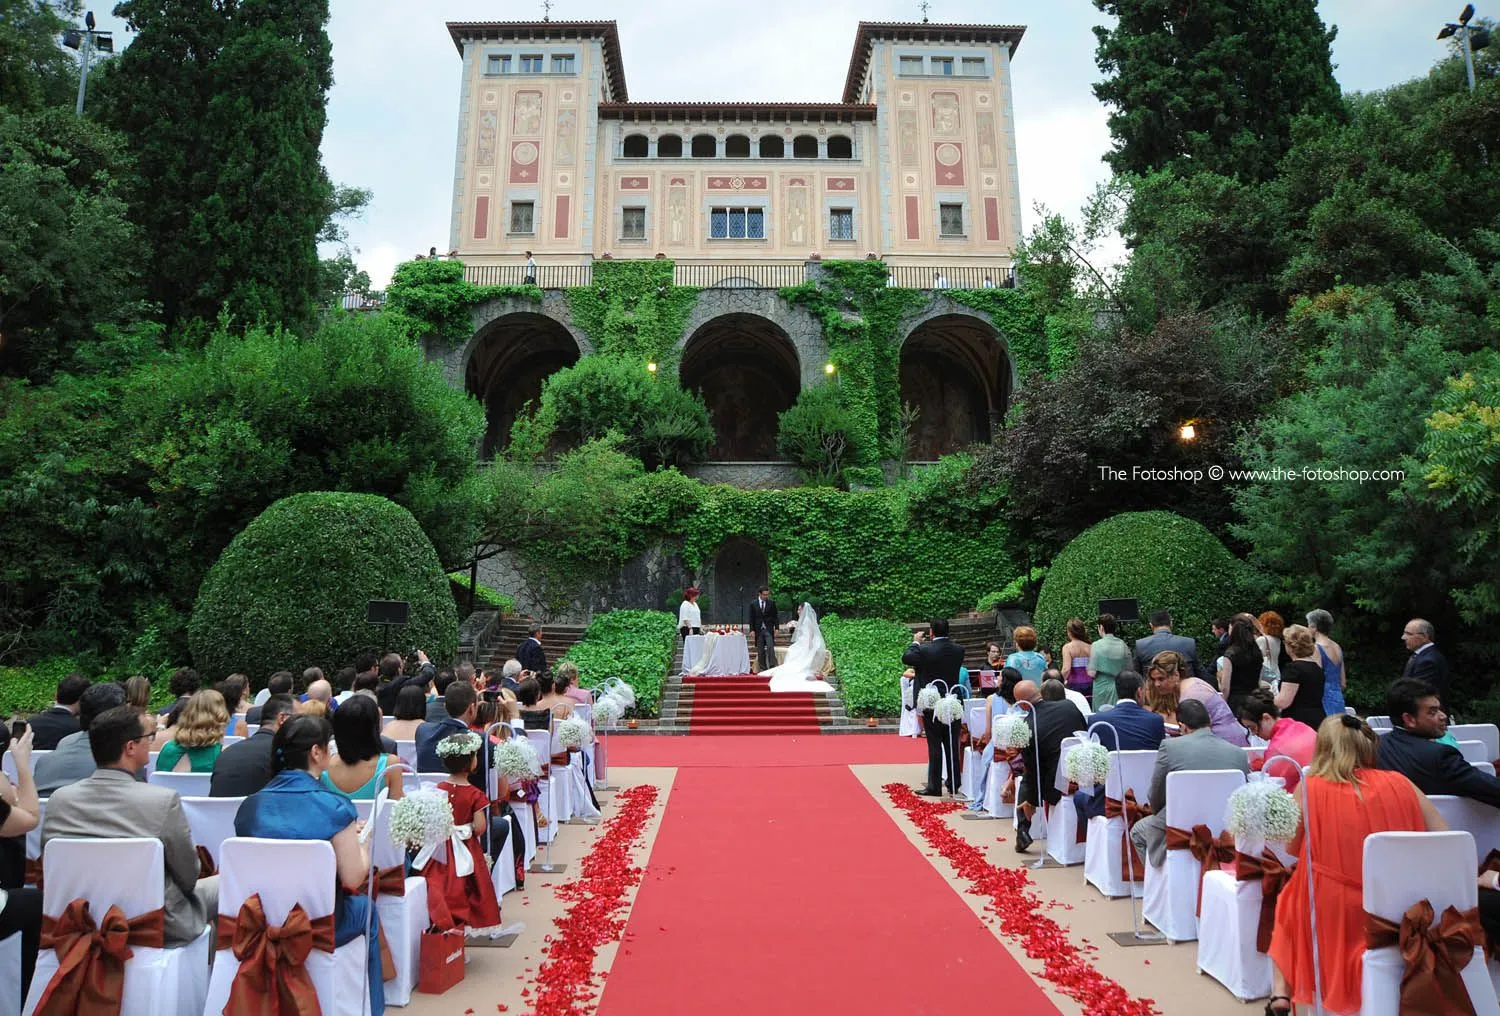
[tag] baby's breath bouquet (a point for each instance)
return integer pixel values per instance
(1011, 732)
(573, 733)
(608, 710)
(927, 698)
(1087, 765)
(420, 819)
(1262, 812)
(948, 709)
(517, 759)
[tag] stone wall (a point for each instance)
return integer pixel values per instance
(748, 475)
(642, 583)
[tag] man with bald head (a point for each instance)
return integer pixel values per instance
(1427, 662)
(1051, 722)
(320, 691)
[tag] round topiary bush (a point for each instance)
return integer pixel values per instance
(291, 590)
(1160, 559)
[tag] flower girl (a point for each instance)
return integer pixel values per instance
(465, 887)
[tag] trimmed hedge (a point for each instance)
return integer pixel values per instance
(290, 591)
(633, 645)
(1161, 559)
(484, 596)
(867, 655)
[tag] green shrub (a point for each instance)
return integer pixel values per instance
(484, 596)
(34, 688)
(1161, 559)
(1014, 594)
(864, 477)
(290, 591)
(867, 656)
(633, 645)
(819, 434)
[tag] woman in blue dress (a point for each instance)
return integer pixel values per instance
(296, 806)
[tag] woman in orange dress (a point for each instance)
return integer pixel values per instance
(1344, 799)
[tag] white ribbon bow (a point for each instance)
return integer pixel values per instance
(462, 860)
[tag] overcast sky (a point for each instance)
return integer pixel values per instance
(393, 111)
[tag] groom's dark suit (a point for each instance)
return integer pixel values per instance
(938, 660)
(763, 625)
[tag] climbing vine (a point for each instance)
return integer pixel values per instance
(1014, 316)
(633, 309)
(436, 297)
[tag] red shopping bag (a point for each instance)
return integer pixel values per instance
(442, 964)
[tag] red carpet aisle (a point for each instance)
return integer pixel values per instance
(746, 705)
(787, 890)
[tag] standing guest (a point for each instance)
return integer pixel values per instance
(935, 657)
(1139, 728)
(61, 719)
(343, 685)
(1331, 657)
(1273, 654)
(360, 769)
(1220, 628)
(530, 652)
(1026, 659)
(1051, 722)
(392, 679)
(1427, 662)
(436, 710)
(1283, 735)
(763, 622)
(1414, 750)
(113, 804)
(1108, 658)
(280, 683)
(1239, 667)
(1160, 640)
(20, 907)
(1170, 685)
(565, 683)
(1197, 748)
(73, 760)
(199, 738)
(689, 617)
(470, 899)
(1075, 660)
(411, 713)
(243, 769)
(1348, 799)
(296, 806)
(530, 277)
(138, 692)
(183, 684)
(1300, 695)
(234, 689)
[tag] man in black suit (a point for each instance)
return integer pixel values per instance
(1427, 662)
(461, 702)
(436, 709)
(936, 660)
(183, 684)
(763, 627)
(1160, 640)
(1051, 723)
(530, 652)
(1412, 748)
(56, 723)
(279, 683)
(245, 768)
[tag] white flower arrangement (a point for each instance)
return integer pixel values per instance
(1011, 732)
(517, 759)
(459, 744)
(624, 692)
(948, 709)
(608, 710)
(573, 733)
(1087, 765)
(420, 819)
(927, 698)
(1262, 812)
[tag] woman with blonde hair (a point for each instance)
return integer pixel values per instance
(1301, 693)
(1169, 682)
(199, 736)
(1345, 798)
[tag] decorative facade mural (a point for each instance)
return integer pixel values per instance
(567, 136)
(677, 212)
(523, 160)
(948, 170)
(489, 126)
(798, 229)
(906, 136)
(946, 119)
(527, 119)
(989, 149)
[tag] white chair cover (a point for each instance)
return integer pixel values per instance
(404, 918)
(556, 801)
(585, 712)
(971, 783)
(34, 838)
(911, 720)
(994, 790)
(527, 814)
(129, 874)
(580, 803)
(212, 820)
(305, 874)
(974, 712)
(10, 975)
(1475, 751)
(406, 751)
(1486, 732)
(251, 728)
(186, 784)
(1488, 768)
(1479, 820)
(1399, 870)
(428, 781)
(1378, 722)
(1062, 820)
(8, 763)
(1227, 933)
(1128, 770)
(1170, 896)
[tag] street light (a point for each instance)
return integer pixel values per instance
(1469, 39)
(829, 368)
(87, 42)
(1188, 432)
(651, 367)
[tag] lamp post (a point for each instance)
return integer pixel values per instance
(86, 42)
(1469, 39)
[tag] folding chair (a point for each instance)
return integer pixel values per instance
(1170, 897)
(212, 821)
(1129, 771)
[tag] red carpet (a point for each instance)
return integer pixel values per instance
(770, 750)
(789, 891)
(745, 704)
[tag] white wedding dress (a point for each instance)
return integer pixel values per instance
(806, 656)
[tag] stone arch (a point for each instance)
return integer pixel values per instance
(800, 327)
(747, 370)
(956, 368)
(730, 578)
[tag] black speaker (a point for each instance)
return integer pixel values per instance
(1124, 610)
(388, 612)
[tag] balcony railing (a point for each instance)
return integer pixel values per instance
(740, 274)
(748, 275)
(951, 277)
(547, 276)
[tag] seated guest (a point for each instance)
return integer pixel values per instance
(549, 697)
(411, 712)
(235, 690)
(56, 723)
(1197, 748)
(1051, 722)
(112, 804)
(462, 703)
(528, 694)
(183, 684)
(20, 907)
(199, 738)
(320, 691)
(138, 692)
(510, 675)
(436, 711)
(359, 770)
(565, 683)
(1300, 695)
(73, 760)
(1171, 683)
(393, 678)
(1348, 799)
(368, 684)
(1139, 728)
(343, 685)
(1054, 676)
(242, 769)
(312, 707)
(1413, 749)
(1282, 734)
(279, 684)
(296, 806)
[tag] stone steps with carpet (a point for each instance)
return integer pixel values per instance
(746, 705)
(557, 639)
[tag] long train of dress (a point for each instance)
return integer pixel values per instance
(805, 657)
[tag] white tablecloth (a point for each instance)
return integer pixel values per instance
(727, 654)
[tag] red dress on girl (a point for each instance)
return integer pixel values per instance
(470, 899)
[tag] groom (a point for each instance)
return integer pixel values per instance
(937, 660)
(763, 624)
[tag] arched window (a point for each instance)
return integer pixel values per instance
(772, 147)
(737, 146)
(669, 146)
(705, 146)
(805, 147)
(840, 147)
(636, 146)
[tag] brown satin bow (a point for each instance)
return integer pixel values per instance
(206, 866)
(90, 977)
(33, 875)
(1435, 955)
(1209, 851)
(388, 882)
(1273, 877)
(1131, 812)
(273, 979)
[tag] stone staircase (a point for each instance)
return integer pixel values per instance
(557, 639)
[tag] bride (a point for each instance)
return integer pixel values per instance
(806, 658)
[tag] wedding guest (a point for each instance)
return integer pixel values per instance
(1160, 640)
(1413, 749)
(1075, 661)
(551, 698)
(1109, 656)
(1196, 749)
(565, 683)
(343, 685)
(462, 703)
(1170, 685)
(280, 683)
(411, 713)
(183, 684)
(320, 691)
(1139, 729)
(20, 907)
(313, 707)
(936, 659)
(510, 675)
(243, 769)
(1348, 799)
(528, 693)
(296, 806)
(234, 689)
(1002, 703)
(113, 804)
(1239, 667)
(1331, 657)
(61, 719)
(138, 692)
(530, 652)
(989, 674)
(1260, 716)
(1054, 676)
(1427, 662)
(436, 710)
(1272, 651)
(199, 737)
(73, 760)
(1051, 722)
(689, 616)
(1026, 659)
(1300, 694)
(359, 770)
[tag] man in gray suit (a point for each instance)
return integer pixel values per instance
(1197, 748)
(1160, 640)
(110, 804)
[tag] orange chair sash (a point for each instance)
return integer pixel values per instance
(1131, 812)
(206, 866)
(90, 977)
(1273, 877)
(1208, 850)
(388, 882)
(33, 875)
(273, 978)
(1435, 953)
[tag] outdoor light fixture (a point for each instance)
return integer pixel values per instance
(1188, 432)
(651, 367)
(829, 368)
(87, 43)
(1469, 39)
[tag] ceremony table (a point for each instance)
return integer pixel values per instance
(716, 655)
